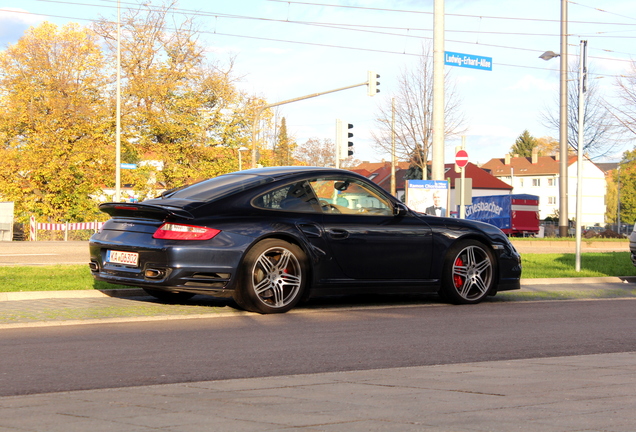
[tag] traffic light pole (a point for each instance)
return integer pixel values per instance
(262, 108)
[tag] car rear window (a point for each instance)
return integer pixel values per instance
(218, 187)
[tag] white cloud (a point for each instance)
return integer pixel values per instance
(13, 23)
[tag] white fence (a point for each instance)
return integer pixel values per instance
(34, 227)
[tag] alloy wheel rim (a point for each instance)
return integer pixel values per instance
(277, 277)
(472, 273)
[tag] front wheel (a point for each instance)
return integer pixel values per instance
(273, 277)
(468, 273)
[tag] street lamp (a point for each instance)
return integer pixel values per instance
(548, 55)
(563, 120)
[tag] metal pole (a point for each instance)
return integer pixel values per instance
(437, 164)
(563, 124)
(393, 158)
(338, 143)
(618, 199)
(579, 169)
(118, 113)
(462, 190)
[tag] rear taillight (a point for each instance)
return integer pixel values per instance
(172, 231)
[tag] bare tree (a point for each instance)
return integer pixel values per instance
(316, 152)
(626, 112)
(413, 108)
(600, 131)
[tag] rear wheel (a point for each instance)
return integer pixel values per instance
(273, 278)
(167, 296)
(468, 274)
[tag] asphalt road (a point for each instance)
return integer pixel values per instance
(44, 253)
(95, 356)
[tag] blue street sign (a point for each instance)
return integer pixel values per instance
(128, 166)
(467, 60)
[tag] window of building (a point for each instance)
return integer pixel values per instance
(551, 200)
(536, 182)
(550, 182)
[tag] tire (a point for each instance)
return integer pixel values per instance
(167, 296)
(273, 277)
(468, 275)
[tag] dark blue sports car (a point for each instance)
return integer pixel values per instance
(271, 237)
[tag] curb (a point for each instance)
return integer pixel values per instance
(42, 295)
(578, 281)
(138, 292)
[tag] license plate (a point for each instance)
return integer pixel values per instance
(121, 257)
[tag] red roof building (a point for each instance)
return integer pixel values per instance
(483, 182)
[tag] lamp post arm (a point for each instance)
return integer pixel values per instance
(262, 108)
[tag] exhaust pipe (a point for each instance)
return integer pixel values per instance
(154, 273)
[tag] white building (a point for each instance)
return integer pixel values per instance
(539, 175)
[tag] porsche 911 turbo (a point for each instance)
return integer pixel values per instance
(272, 237)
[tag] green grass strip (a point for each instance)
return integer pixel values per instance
(561, 265)
(50, 278)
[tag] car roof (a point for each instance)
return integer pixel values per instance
(283, 171)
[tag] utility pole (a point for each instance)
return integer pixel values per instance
(393, 157)
(118, 113)
(437, 164)
(581, 140)
(563, 124)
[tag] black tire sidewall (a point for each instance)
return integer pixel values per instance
(246, 297)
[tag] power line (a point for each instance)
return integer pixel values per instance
(446, 13)
(336, 26)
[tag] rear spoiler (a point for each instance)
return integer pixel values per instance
(146, 211)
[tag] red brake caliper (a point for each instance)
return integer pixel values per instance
(457, 279)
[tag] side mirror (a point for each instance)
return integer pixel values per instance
(400, 209)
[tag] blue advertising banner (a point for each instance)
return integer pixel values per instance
(494, 210)
(467, 60)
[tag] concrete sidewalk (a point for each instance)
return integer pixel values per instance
(579, 393)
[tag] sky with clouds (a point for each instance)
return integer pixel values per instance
(287, 49)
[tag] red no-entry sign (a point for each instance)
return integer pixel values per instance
(461, 158)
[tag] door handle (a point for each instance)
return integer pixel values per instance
(338, 234)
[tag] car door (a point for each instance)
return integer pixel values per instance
(295, 204)
(366, 238)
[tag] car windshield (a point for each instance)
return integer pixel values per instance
(217, 187)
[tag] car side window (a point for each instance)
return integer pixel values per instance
(295, 197)
(348, 196)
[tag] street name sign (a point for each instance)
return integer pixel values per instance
(467, 60)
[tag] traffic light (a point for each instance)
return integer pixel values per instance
(342, 139)
(372, 83)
